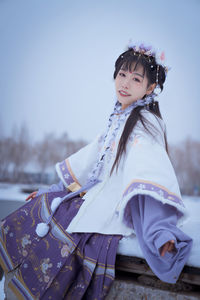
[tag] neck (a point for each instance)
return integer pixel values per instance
(124, 106)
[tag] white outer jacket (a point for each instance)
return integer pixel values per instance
(144, 169)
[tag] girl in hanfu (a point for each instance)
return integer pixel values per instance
(62, 244)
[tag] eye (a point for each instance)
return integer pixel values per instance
(121, 74)
(136, 79)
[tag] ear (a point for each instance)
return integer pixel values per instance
(151, 88)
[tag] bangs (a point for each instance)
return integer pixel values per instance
(133, 64)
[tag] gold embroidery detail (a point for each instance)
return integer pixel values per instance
(74, 186)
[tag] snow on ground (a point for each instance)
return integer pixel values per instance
(12, 197)
(9, 191)
(2, 295)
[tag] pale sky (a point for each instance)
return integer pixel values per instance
(57, 61)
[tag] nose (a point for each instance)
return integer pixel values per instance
(125, 83)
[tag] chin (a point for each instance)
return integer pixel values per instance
(124, 102)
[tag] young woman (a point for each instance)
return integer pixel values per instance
(62, 243)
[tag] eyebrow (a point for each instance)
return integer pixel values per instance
(134, 73)
(138, 74)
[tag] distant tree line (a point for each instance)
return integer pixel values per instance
(18, 156)
(23, 161)
(185, 158)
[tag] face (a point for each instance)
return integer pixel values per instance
(131, 86)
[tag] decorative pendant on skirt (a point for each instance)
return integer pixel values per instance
(43, 228)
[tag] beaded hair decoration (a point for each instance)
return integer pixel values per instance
(149, 54)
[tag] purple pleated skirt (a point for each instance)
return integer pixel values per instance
(59, 265)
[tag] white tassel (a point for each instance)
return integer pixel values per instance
(55, 203)
(42, 229)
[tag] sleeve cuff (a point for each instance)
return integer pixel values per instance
(64, 173)
(162, 238)
(53, 188)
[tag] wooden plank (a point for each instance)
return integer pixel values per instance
(139, 266)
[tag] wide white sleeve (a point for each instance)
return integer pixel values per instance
(76, 168)
(148, 170)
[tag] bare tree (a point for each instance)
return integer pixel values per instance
(16, 152)
(185, 158)
(6, 149)
(21, 152)
(51, 150)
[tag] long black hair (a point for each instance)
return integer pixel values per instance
(125, 61)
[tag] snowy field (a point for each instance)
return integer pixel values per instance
(12, 197)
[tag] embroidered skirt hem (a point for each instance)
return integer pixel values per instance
(59, 265)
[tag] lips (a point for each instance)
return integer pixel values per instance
(123, 93)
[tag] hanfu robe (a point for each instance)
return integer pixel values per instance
(142, 197)
(143, 194)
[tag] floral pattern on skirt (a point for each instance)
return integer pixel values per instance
(59, 265)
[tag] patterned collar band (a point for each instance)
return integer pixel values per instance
(141, 102)
(98, 167)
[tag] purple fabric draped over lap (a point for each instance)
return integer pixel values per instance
(81, 265)
(155, 224)
(60, 265)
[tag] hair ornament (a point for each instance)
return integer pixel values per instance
(162, 56)
(157, 73)
(148, 52)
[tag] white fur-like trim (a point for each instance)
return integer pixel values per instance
(60, 175)
(42, 229)
(55, 203)
(182, 220)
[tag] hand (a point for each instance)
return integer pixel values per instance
(169, 246)
(31, 196)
